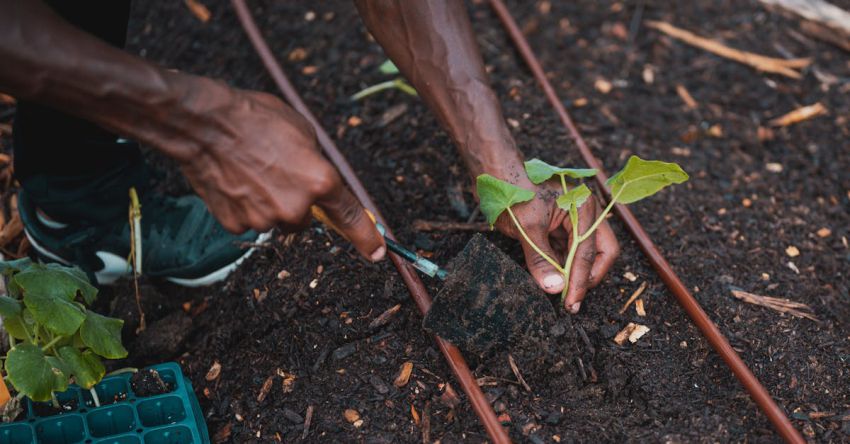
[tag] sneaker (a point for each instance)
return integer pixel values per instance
(181, 242)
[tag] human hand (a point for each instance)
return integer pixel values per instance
(549, 228)
(258, 165)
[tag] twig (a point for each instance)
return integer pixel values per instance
(518, 375)
(308, 418)
(759, 62)
(634, 296)
(800, 115)
(426, 423)
(686, 96)
(821, 20)
(781, 305)
(434, 225)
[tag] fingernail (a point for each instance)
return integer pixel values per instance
(574, 308)
(553, 281)
(378, 254)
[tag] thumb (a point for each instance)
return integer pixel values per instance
(544, 272)
(344, 214)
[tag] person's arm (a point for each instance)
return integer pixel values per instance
(253, 159)
(432, 44)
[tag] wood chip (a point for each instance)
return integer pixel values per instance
(800, 115)
(686, 96)
(414, 414)
(784, 67)
(354, 121)
(630, 276)
(449, 398)
(515, 369)
(639, 307)
(385, 317)
(403, 374)
(631, 332)
(264, 390)
(792, 251)
(198, 10)
(288, 383)
(297, 55)
(603, 86)
(634, 296)
(797, 309)
(774, 167)
(214, 371)
(351, 415)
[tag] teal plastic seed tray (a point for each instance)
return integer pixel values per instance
(122, 418)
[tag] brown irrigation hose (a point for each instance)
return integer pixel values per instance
(686, 300)
(417, 290)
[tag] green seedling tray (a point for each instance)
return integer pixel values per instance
(122, 418)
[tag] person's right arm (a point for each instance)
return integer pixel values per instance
(253, 159)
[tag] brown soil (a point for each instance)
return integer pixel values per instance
(729, 225)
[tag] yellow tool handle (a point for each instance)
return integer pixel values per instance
(322, 217)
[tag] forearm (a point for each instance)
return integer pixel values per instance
(432, 44)
(46, 60)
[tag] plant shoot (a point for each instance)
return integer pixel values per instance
(637, 180)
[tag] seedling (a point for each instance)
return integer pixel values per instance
(398, 83)
(53, 336)
(637, 180)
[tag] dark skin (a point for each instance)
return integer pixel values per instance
(255, 161)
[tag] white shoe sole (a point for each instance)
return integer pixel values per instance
(116, 267)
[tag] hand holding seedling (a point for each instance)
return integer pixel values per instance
(637, 180)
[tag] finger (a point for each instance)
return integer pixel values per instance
(546, 275)
(607, 250)
(352, 222)
(583, 262)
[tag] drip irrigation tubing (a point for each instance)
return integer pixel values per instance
(420, 295)
(712, 334)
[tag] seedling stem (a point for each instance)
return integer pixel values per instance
(533, 245)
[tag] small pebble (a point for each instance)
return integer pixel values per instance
(773, 167)
(824, 232)
(314, 283)
(603, 86)
(630, 276)
(746, 202)
(792, 251)
(310, 16)
(351, 415)
(283, 274)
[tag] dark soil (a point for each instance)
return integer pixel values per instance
(43, 409)
(148, 383)
(287, 346)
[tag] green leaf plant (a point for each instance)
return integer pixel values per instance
(637, 180)
(53, 336)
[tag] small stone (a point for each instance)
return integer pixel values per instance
(309, 70)
(310, 16)
(580, 102)
(824, 232)
(297, 55)
(765, 277)
(746, 202)
(345, 351)
(292, 417)
(358, 423)
(238, 417)
(283, 274)
(683, 344)
(354, 121)
(793, 267)
(792, 251)
(514, 123)
(773, 167)
(314, 283)
(379, 384)
(630, 276)
(648, 74)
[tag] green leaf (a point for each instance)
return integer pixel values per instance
(57, 281)
(86, 368)
(54, 313)
(643, 178)
(11, 310)
(9, 267)
(539, 171)
(10, 307)
(103, 335)
(34, 374)
(388, 67)
(496, 196)
(576, 196)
